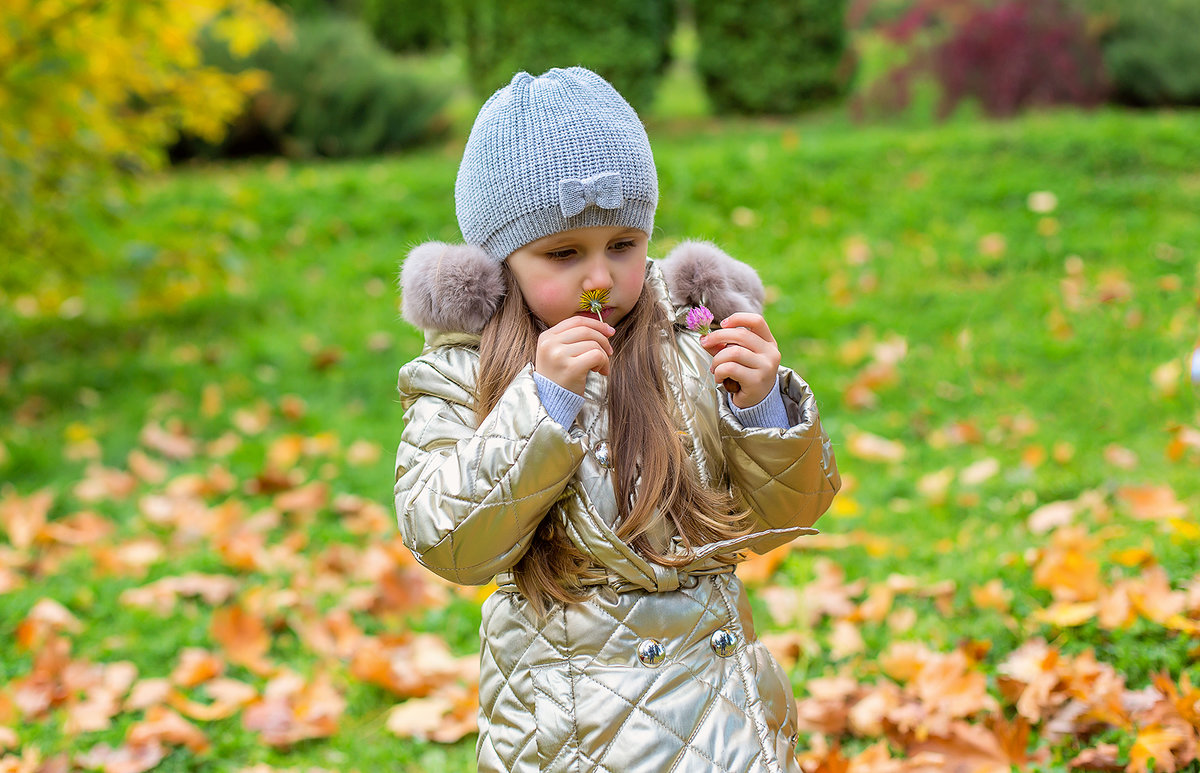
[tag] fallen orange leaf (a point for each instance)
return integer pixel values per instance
(244, 638)
(1152, 503)
(1153, 749)
(292, 710)
(162, 724)
(197, 666)
(873, 448)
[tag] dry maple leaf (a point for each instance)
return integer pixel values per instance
(129, 758)
(162, 724)
(866, 717)
(1152, 503)
(1153, 597)
(1030, 676)
(42, 688)
(787, 646)
(24, 517)
(903, 660)
(82, 528)
(877, 758)
(1184, 699)
(1067, 614)
(992, 595)
(46, 618)
(873, 448)
(147, 693)
(878, 604)
(292, 710)
(949, 687)
(1153, 749)
(826, 709)
(411, 666)
(306, 499)
(244, 638)
(132, 558)
(444, 717)
(1103, 757)
(1067, 568)
(833, 762)
(971, 748)
(1052, 515)
(101, 483)
(161, 595)
(846, 640)
(197, 666)
(172, 443)
(230, 696)
(758, 568)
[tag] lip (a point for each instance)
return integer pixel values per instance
(605, 313)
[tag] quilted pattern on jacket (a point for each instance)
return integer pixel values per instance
(569, 693)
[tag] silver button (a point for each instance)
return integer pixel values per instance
(602, 454)
(723, 642)
(651, 652)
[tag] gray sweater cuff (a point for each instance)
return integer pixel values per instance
(768, 413)
(562, 404)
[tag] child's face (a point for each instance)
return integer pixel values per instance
(554, 271)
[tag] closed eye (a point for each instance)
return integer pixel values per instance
(562, 254)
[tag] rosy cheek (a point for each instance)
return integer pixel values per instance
(546, 300)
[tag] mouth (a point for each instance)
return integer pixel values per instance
(605, 313)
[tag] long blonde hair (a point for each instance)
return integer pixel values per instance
(649, 452)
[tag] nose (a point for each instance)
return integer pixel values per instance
(599, 272)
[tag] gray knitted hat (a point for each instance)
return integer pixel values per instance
(546, 154)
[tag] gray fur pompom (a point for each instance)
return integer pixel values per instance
(701, 274)
(450, 287)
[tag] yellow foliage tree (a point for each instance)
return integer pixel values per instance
(92, 90)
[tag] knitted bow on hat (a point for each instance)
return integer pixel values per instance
(603, 190)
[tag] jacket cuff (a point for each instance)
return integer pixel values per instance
(770, 412)
(562, 404)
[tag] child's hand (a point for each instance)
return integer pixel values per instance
(567, 352)
(745, 351)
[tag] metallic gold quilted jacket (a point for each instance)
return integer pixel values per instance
(660, 670)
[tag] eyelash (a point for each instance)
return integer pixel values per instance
(568, 252)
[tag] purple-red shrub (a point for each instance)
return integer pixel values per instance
(1008, 54)
(1020, 54)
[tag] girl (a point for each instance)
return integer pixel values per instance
(565, 435)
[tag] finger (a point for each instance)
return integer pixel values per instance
(754, 322)
(570, 351)
(578, 321)
(743, 357)
(594, 360)
(575, 335)
(738, 372)
(740, 336)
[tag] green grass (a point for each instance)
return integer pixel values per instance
(307, 255)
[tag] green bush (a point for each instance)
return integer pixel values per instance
(407, 26)
(1152, 52)
(304, 8)
(772, 56)
(334, 92)
(626, 41)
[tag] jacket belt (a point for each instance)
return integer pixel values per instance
(666, 578)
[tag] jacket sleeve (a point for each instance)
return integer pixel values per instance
(785, 477)
(468, 498)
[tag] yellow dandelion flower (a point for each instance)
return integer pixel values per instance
(593, 301)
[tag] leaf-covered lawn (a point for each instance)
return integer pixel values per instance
(199, 569)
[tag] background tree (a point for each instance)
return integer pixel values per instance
(92, 91)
